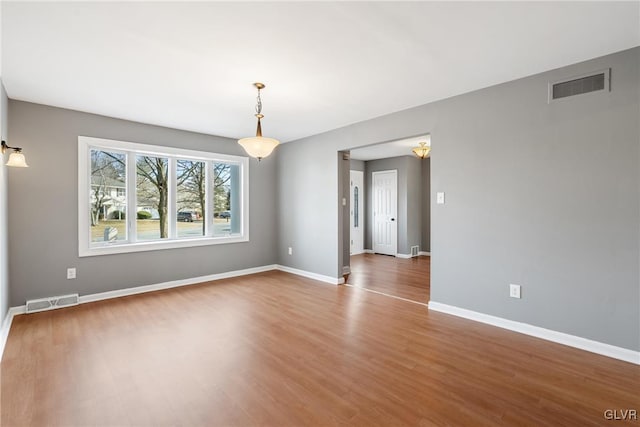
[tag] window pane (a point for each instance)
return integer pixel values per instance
(107, 196)
(151, 197)
(226, 199)
(191, 198)
(356, 213)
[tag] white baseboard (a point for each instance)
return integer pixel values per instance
(174, 284)
(6, 326)
(403, 256)
(310, 275)
(538, 332)
(424, 253)
(369, 251)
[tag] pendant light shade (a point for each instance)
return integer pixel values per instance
(258, 146)
(422, 151)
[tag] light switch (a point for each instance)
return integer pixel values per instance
(440, 197)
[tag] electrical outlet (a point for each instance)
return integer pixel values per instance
(440, 197)
(290, 250)
(514, 291)
(71, 273)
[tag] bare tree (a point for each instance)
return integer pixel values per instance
(107, 170)
(152, 186)
(221, 190)
(192, 184)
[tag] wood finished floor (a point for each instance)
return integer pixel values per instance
(275, 349)
(403, 278)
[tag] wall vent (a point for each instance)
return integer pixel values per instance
(593, 82)
(415, 250)
(50, 303)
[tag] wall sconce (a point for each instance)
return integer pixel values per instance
(16, 159)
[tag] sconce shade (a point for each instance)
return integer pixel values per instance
(258, 146)
(17, 160)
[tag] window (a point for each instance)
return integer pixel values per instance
(138, 197)
(356, 204)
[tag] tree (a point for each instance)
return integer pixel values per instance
(221, 184)
(152, 186)
(192, 186)
(107, 171)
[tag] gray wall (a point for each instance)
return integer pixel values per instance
(426, 205)
(409, 200)
(308, 205)
(4, 253)
(43, 206)
(543, 195)
(357, 165)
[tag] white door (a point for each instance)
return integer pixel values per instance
(385, 210)
(357, 212)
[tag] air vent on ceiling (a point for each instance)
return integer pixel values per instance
(593, 82)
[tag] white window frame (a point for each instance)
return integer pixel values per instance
(131, 149)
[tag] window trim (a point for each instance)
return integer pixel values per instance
(86, 144)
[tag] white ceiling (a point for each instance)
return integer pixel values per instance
(326, 64)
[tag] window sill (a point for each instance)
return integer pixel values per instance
(156, 245)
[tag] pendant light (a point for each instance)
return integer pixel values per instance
(422, 150)
(258, 146)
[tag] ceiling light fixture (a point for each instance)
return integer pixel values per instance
(259, 146)
(16, 159)
(422, 151)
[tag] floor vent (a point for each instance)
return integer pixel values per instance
(415, 250)
(578, 85)
(50, 303)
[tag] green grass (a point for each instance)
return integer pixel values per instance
(151, 228)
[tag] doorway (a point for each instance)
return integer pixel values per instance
(385, 212)
(357, 212)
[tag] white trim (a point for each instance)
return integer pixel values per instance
(184, 242)
(403, 256)
(310, 275)
(538, 332)
(190, 281)
(6, 326)
(173, 284)
(424, 253)
(369, 251)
